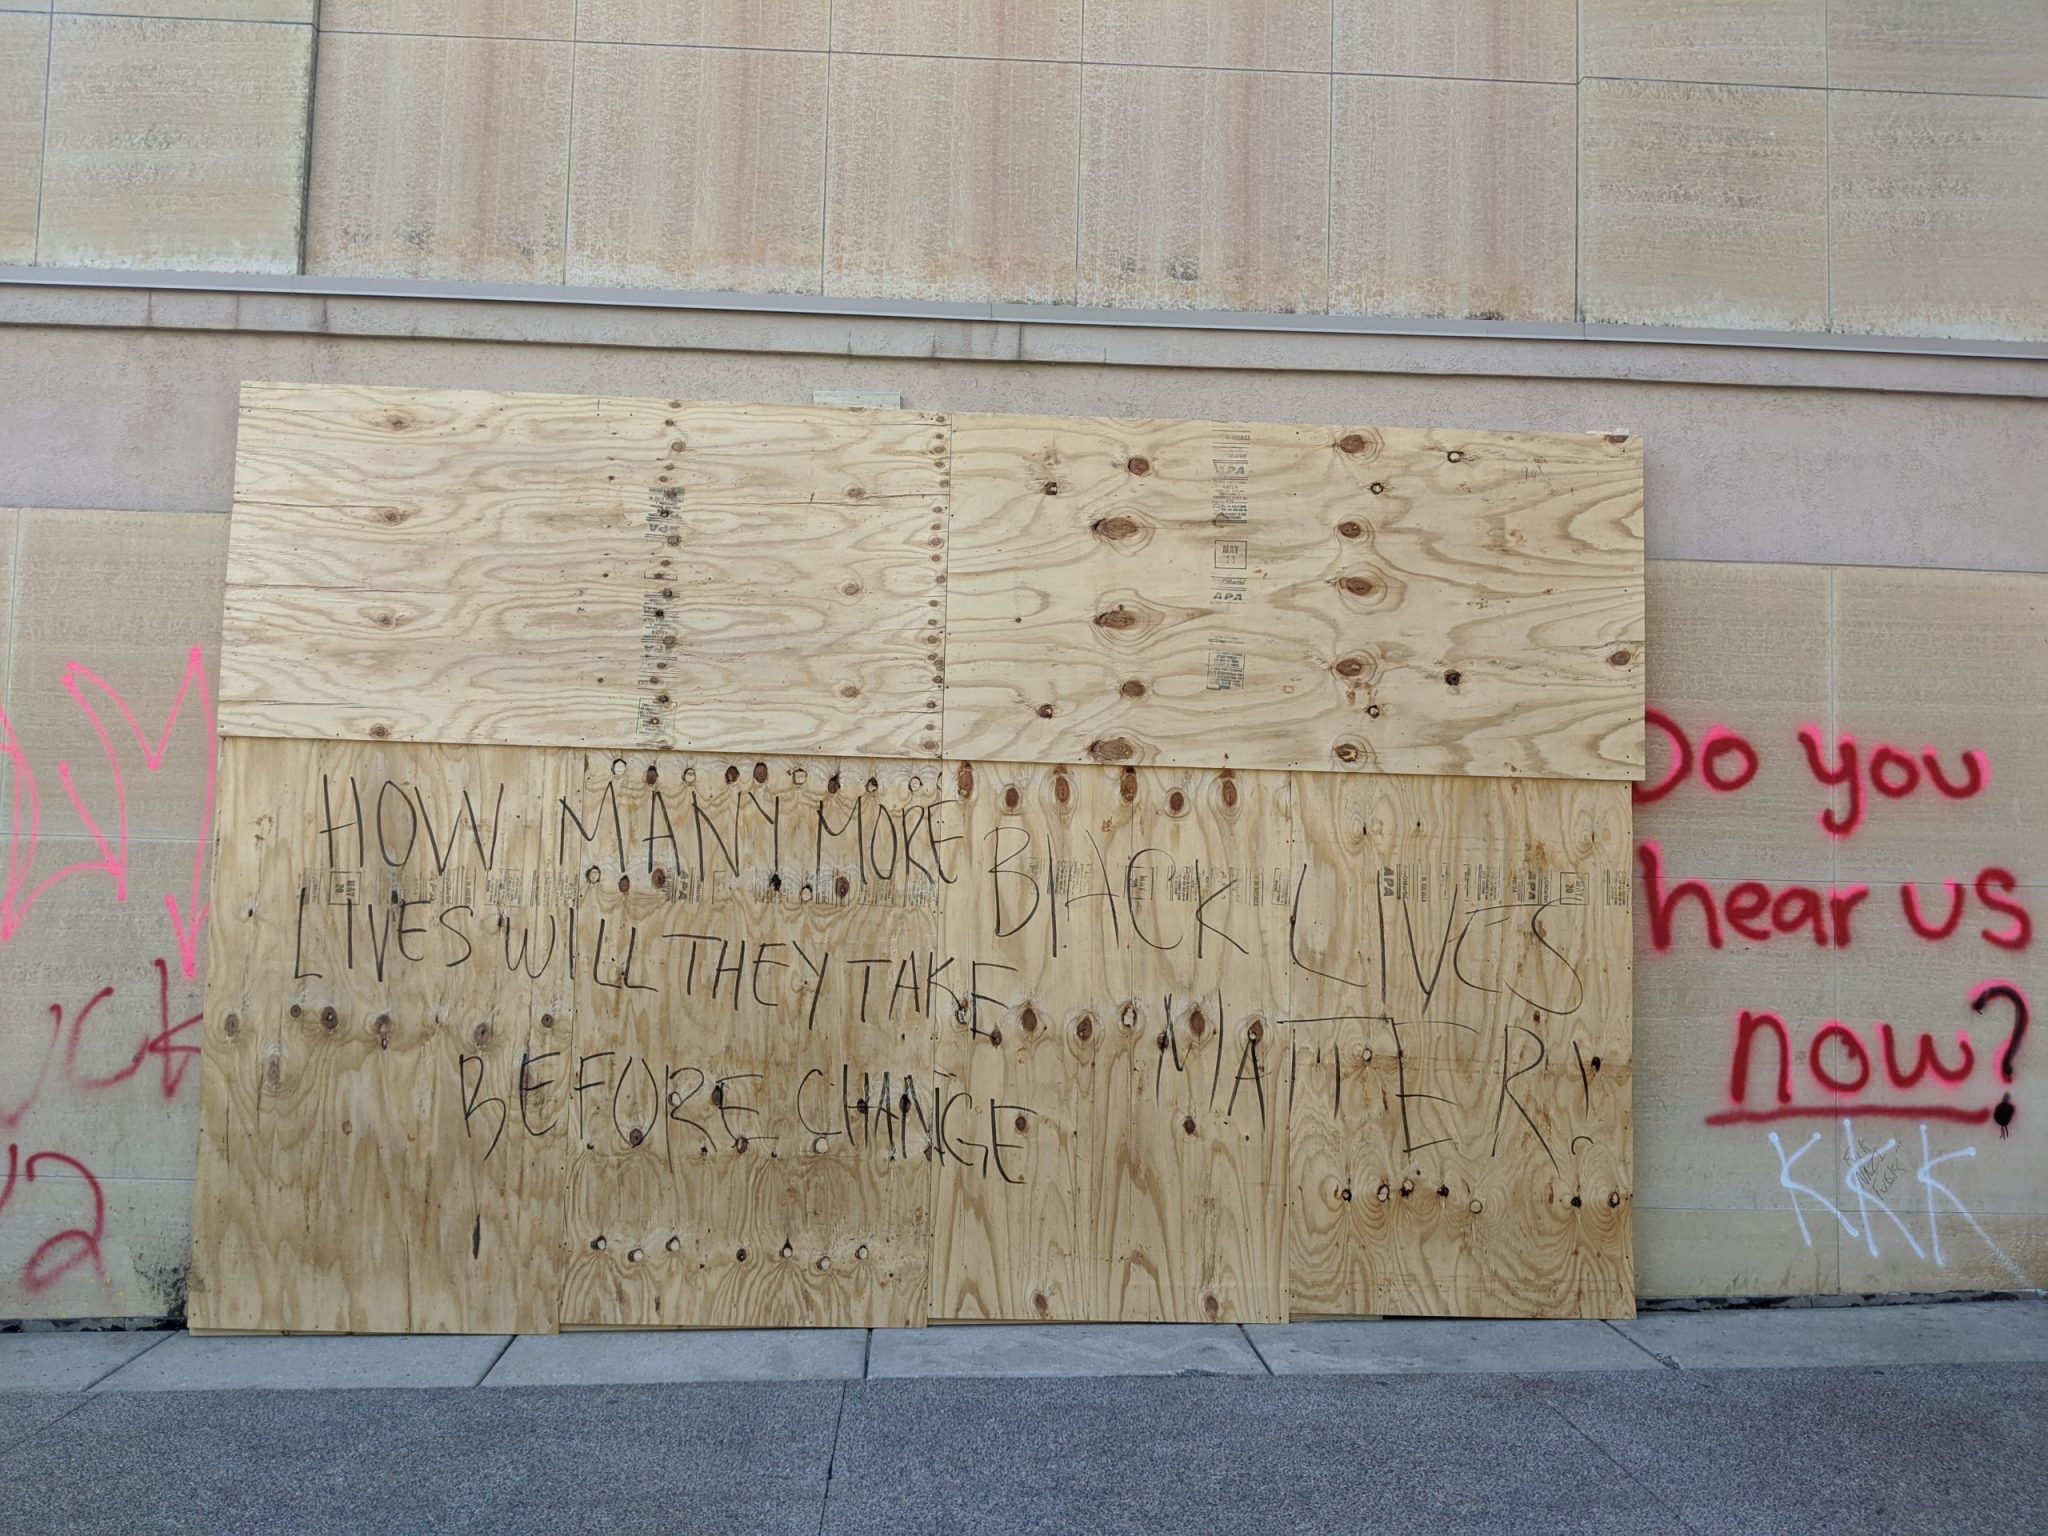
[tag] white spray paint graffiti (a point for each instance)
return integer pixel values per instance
(1869, 1198)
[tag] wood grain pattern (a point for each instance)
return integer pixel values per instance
(625, 573)
(512, 1038)
(759, 1152)
(360, 1164)
(505, 1037)
(567, 571)
(1126, 929)
(1252, 595)
(1460, 1064)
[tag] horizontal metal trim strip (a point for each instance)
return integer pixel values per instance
(311, 286)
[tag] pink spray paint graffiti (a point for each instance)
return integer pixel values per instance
(84, 1051)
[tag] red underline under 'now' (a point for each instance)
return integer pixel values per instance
(1855, 1111)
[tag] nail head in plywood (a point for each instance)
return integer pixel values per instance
(1252, 595)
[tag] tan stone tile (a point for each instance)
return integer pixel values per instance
(124, 596)
(1689, 1003)
(1922, 989)
(453, 18)
(1204, 189)
(1231, 34)
(998, 29)
(24, 66)
(721, 23)
(1690, 1252)
(1940, 214)
(175, 144)
(1703, 205)
(1729, 42)
(147, 1249)
(1475, 39)
(1994, 47)
(1453, 197)
(118, 1115)
(10, 522)
(440, 157)
(1737, 654)
(1948, 662)
(952, 179)
(697, 168)
(197, 10)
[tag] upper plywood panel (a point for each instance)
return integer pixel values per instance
(1249, 595)
(551, 570)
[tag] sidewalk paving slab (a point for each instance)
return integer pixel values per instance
(1063, 1349)
(67, 1361)
(1407, 1454)
(1347, 1349)
(635, 1358)
(616, 1460)
(1928, 1334)
(1858, 1449)
(185, 1363)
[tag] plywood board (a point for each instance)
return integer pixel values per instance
(1251, 595)
(1460, 1064)
(504, 1037)
(551, 570)
(759, 1150)
(1126, 946)
(364, 1159)
(556, 570)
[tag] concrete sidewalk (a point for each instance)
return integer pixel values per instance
(1932, 1334)
(1906, 1418)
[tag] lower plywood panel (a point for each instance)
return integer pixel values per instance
(361, 1166)
(758, 1046)
(1460, 1110)
(509, 1039)
(1128, 940)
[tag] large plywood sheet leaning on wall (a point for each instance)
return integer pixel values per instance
(564, 571)
(1253, 595)
(612, 926)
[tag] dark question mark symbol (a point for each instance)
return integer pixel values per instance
(2003, 1114)
(2013, 995)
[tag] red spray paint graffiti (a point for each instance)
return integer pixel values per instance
(23, 890)
(1872, 1070)
(74, 1053)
